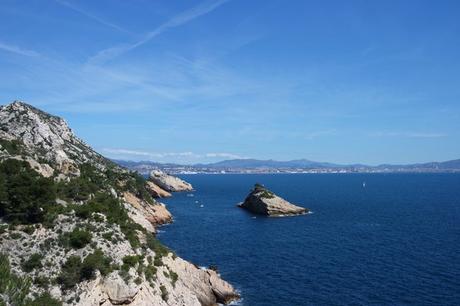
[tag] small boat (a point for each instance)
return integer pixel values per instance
(190, 195)
(201, 205)
(364, 184)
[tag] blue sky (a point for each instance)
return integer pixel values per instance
(200, 81)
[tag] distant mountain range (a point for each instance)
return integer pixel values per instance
(257, 163)
(299, 165)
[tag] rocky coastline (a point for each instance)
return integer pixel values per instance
(77, 229)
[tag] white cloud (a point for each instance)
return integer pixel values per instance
(160, 156)
(18, 50)
(316, 134)
(224, 155)
(178, 20)
(409, 134)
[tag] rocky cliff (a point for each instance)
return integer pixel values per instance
(76, 229)
(264, 202)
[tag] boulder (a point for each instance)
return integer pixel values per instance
(264, 202)
(168, 182)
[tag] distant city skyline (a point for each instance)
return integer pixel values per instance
(203, 81)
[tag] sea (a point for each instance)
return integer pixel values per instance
(371, 239)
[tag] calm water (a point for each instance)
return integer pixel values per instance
(394, 242)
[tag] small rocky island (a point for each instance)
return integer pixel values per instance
(264, 202)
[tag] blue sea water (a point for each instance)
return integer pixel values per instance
(395, 241)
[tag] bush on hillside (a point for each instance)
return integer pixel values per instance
(33, 262)
(25, 196)
(77, 239)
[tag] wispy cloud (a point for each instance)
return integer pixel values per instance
(160, 156)
(17, 50)
(178, 20)
(409, 134)
(315, 134)
(91, 16)
(224, 155)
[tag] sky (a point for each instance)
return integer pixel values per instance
(201, 81)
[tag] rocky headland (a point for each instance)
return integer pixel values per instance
(77, 229)
(168, 182)
(264, 202)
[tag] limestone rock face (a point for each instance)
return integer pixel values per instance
(168, 182)
(47, 134)
(117, 290)
(264, 202)
(156, 191)
(206, 284)
(147, 214)
(223, 291)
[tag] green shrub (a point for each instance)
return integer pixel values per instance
(44, 299)
(164, 293)
(29, 229)
(155, 245)
(41, 281)
(131, 260)
(174, 277)
(150, 273)
(13, 289)
(80, 188)
(34, 261)
(267, 195)
(15, 235)
(70, 273)
(13, 147)
(108, 236)
(75, 271)
(157, 261)
(93, 262)
(26, 196)
(160, 250)
(77, 239)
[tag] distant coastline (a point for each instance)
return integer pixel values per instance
(252, 166)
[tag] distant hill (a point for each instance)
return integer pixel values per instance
(446, 165)
(256, 163)
(284, 166)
